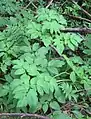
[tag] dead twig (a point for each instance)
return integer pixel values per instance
(31, 2)
(78, 18)
(50, 2)
(28, 5)
(61, 57)
(83, 90)
(34, 5)
(64, 3)
(88, 14)
(79, 30)
(23, 115)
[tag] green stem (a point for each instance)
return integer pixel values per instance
(67, 80)
(60, 74)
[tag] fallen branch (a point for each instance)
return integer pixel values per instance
(78, 18)
(23, 115)
(80, 30)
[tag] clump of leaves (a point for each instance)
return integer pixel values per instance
(34, 80)
(47, 28)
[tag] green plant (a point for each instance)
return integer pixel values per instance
(40, 70)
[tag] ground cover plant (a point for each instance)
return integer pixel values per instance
(45, 59)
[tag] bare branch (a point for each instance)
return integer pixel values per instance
(78, 18)
(64, 3)
(28, 4)
(83, 90)
(34, 5)
(88, 14)
(61, 57)
(50, 2)
(23, 115)
(80, 30)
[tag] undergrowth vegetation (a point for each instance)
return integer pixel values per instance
(42, 69)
